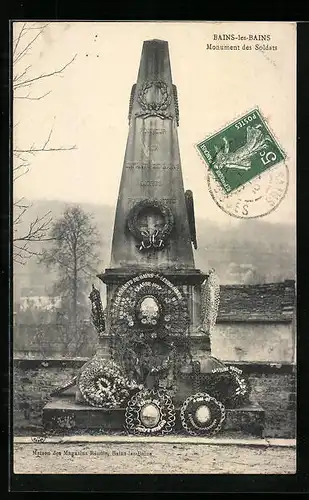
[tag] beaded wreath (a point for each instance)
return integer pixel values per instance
(163, 408)
(202, 414)
(155, 239)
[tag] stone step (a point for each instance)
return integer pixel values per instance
(64, 414)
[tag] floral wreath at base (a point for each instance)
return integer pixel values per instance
(150, 412)
(102, 384)
(147, 240)
(230, 386)
(173, 320)
(202, 414)
(136, 356)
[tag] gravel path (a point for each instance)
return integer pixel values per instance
(157, 458)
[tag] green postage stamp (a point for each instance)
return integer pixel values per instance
(241, 151)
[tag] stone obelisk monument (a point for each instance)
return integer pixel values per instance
(160, 309)
(154, 223)
(152, 167)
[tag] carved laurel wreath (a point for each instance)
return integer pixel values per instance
(147, 240)
(154, 108)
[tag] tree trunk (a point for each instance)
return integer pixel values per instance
(75, 291)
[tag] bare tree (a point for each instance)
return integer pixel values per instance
(73, 253)
(25, 86)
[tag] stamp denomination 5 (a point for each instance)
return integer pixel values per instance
(241, 151)
(246, 176)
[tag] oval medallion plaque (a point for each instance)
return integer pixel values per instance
(150, 412)
(202, 414)
(150, 415)
(148, 311)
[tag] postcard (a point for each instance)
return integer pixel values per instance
(154, 247)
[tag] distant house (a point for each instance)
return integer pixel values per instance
(39, 302)
(256, 323)
(243, 274)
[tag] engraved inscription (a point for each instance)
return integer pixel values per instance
(163, 166)
(153, 131)
(151, 183)
(167, 201)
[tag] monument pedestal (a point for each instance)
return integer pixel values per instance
(188, 281)
(63, 414)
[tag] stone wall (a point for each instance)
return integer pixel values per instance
(53, 340)
(276, 392)
(268, 342)
(261, 302)
(273, 386)
(33, 381)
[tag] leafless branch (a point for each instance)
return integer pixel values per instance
(18, 155)
(27, 83)
(47, 140)
(18, 259)
(18, 202)
(18, 77)
(32, 150)
(23, 209)
(22, 252)
(33, 98)
(23, 31)
(39, 149)
(38, 229)
(24, 51)
(21, 34)
(17, 169)
(24, 248)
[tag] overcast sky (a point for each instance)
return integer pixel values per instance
(88, 105)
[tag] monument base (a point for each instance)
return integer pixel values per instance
(63, 413)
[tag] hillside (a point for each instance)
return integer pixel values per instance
(252, 251)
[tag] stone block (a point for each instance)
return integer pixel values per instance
(62, 414)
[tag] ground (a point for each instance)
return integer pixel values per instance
(155, 458)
